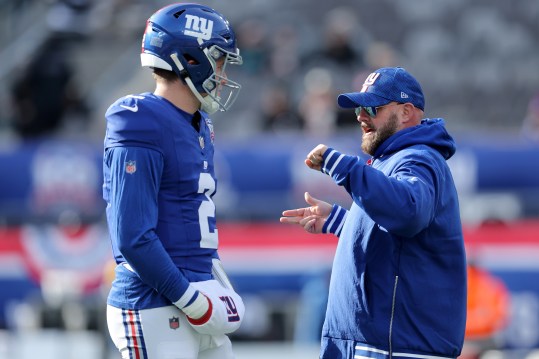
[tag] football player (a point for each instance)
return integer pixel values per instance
(171, 297)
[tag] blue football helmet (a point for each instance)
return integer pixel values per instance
(190, 39)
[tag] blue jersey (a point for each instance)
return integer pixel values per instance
(158, 184)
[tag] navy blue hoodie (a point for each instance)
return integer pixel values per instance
(398, 284)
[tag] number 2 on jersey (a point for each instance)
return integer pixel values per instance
(206, 185)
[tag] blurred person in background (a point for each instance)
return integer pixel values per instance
(45, 94)
(278, 111)
(284, 61)
(488, 308)
(171, 297)
(71, 18)
(316, 105)
(530, 126)
(343, 41)
(252, 35)
(398, 282)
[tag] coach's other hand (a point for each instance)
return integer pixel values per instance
(311, 218)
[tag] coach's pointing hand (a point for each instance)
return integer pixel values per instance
(311, 218)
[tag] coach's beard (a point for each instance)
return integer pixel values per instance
(373, 139)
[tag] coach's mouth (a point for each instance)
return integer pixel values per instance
(367, 130)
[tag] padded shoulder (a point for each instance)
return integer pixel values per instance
(133, 121)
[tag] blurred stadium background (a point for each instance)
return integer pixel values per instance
(62, 62)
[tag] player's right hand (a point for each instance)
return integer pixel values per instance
(311, 218)
(200, 310)
(226, 311)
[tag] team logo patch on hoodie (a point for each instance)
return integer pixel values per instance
(131, 167)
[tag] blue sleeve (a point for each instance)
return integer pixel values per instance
(132, 213)
(402, 203)
(335, 220)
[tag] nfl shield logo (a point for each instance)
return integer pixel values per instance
(210, 126)
(174, 323)
(130, 167)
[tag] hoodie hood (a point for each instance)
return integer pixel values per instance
(430, 132)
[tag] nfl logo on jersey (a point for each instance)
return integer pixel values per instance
(174, 323)
(130, 167)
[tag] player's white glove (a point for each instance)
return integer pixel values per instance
(198, 308)
(212, 307)
(227, 309)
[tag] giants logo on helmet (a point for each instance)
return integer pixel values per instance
(198, 27)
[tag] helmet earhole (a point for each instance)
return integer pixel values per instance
(216, 54)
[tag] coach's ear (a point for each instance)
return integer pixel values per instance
(409, 115)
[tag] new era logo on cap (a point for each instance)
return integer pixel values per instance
(383, 86)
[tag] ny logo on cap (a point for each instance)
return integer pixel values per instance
(371, 79)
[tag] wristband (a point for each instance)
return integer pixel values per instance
(207, 314)
(199, 308)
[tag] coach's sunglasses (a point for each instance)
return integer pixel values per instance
(371, 110)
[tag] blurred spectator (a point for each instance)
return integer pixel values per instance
(44, 92)
(252, 41)
(380, 54)
(278, 112)
(346, 119)
(285, 47)
(488, 311)
(343, 40)
(317, 106)
(70, 17)
(530, 126)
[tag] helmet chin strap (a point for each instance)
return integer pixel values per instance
(207, 104)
